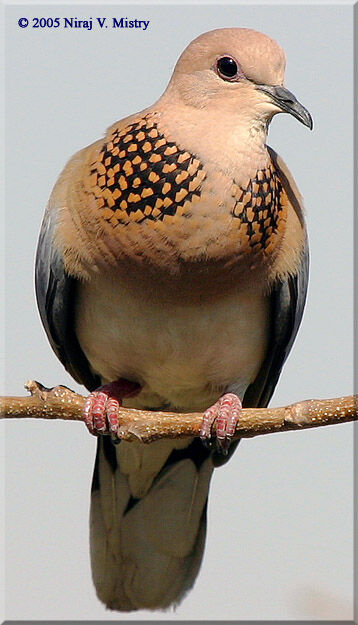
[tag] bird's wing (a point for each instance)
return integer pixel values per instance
(55, 292)
(287, 303)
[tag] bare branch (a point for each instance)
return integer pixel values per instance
(62, 403)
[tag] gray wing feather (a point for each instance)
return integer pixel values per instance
(287, 305)
(55, 294)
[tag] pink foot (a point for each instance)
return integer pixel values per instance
(225, 412)
(101, 408)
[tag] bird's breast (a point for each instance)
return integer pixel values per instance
(153, 201)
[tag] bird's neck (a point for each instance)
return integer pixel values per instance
(240, 140)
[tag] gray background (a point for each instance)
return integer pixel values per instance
(279, 543)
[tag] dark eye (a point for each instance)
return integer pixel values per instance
(227, 67)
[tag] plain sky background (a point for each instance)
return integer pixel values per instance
(280, 520)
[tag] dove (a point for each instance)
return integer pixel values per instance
(171, 274)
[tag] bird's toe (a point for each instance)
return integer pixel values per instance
(101, 408)
(225, 414)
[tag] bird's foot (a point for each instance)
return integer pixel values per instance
(225, 414)
(101, 408)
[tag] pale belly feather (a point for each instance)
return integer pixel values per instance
(184, 355)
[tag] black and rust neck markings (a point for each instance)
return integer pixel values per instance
(259, 207)
(139, 175)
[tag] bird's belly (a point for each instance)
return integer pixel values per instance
(183, 354)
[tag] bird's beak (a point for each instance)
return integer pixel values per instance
(287, 102)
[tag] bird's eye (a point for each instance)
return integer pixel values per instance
(227, 68)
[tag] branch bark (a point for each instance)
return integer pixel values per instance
(62, 403)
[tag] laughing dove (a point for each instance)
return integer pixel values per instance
(171, 273)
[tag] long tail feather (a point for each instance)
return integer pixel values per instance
(146, 551)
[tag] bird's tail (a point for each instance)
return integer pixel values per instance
(148, 521)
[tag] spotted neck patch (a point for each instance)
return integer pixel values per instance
(261, 209)
(139, 175)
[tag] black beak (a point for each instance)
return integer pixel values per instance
(287, 102)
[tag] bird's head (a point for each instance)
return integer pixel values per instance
(236, 71)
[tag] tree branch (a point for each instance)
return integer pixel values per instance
(62, 403)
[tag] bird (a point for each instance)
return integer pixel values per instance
(171, 274)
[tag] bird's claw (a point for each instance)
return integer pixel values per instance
(225, 414)
(101, 412)
(101, 408)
